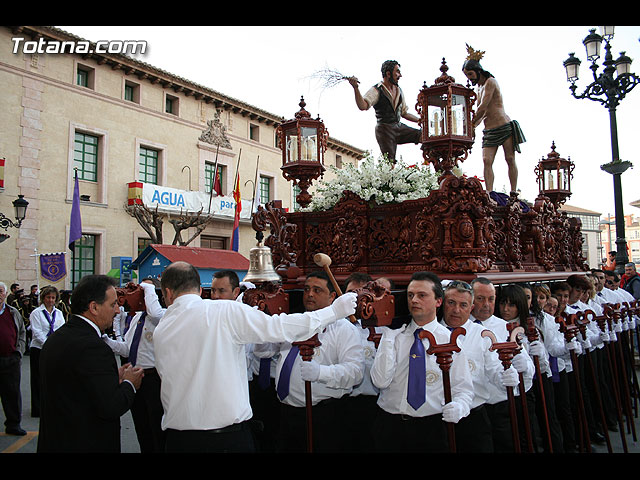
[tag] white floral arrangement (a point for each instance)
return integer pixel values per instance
(378, 182)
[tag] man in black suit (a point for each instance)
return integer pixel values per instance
(84, 394)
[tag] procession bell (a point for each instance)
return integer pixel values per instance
(261, 265)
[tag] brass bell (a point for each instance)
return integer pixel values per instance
(261, 265)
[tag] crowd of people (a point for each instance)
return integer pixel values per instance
(532, 367)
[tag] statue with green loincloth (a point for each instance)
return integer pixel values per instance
(499, 129)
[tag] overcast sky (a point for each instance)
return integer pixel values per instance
(271, 67)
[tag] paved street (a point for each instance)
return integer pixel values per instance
(27, 443)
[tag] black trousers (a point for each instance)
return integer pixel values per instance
(266, 413)
(473, 432)
(564, 411)
(34, 380)
(10, 373)
(237, 438)
(360, 415)
(406, 434)
(327, 427)
(147, 412)
(500, 418)
(546, 414)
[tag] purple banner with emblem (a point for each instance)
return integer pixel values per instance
(52, 266)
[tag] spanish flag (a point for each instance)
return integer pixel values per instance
(235, 239)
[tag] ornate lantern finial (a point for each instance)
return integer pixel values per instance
(445, 117)
(303, 141)
(554, 175)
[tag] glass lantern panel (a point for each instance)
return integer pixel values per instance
(437, 115)
(550, 179)
(291, 139)
(459, 115)
(309, 140)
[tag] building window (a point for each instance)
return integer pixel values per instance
(338, 161)
(132, 92)
(265, 190)
(142, 244)
(210, 241)
(83, 258)
(254, 132)
(208, 176)
(85, 156)
(171, 104)
(148, 165)
(84, 76)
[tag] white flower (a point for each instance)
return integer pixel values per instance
(377, 181)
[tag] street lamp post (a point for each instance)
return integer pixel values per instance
(609, 91)
(20, 206)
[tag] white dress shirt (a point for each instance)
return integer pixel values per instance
(484, 364)
(499, 328)
(390, 372)
(201, 357)
(40, 325)
(341, 359)
(366, 387)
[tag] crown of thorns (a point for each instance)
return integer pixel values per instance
(474, 54)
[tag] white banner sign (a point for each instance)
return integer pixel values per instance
(173, 200)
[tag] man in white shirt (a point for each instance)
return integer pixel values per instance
(484, 302)
(474, 433)
(201, 358)
(411, 387)
(336, 367)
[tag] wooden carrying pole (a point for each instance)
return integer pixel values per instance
(506, 352)
(444, 354)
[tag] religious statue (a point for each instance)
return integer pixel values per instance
(390, 107)
(499, 129)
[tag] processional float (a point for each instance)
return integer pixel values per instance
(458, 230)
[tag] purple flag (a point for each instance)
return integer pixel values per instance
(75, 226)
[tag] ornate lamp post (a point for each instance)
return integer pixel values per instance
(303, 141)
(445, 117)
(609, 91)
(554, 176)
(20, 206)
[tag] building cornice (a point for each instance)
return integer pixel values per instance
(180, 85)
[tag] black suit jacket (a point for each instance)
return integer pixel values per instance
(82, 398)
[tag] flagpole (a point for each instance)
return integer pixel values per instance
(213, 180)
(255, 185)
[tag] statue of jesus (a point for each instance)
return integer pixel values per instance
(499, 129)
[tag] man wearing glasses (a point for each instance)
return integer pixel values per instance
(473, 433)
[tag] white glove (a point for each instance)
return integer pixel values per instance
(617, 327)
(613, 336)
(536, 349)
(604, 336)
(344, 305)
(310, 371)
(573, 344)
(585, 342)
(452, 412)
(509, 377)
(147, 286)
(520, 363)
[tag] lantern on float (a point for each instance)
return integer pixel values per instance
(445, 117)
(554, 175)
(303, 141)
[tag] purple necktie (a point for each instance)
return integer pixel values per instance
(417, 373)
(133, 350)
(51, 319)
(285, 373)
